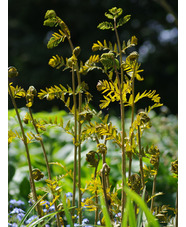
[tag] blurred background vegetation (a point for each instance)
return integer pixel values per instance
(152, 22)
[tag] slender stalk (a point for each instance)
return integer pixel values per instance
(75, 139)
(47, 163)
(132, 118)
(140, 157)
(104, 184)
(120, 50)
(123, 165)
(122, 121)
(32, 184)
(78, 136)
(96, 192)
(78, 133)
(103, 158)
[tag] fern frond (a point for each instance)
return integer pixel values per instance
(90, 64)
(105, 46)
(112, 90)
(123, 20)
(56, 39)
(56, 62)
(130, 43)
(150, 94)
(105, 25)
(154, 106)
(58, 92)
(12, 135)
(17, 91)
(110, 132)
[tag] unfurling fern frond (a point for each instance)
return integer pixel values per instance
(53, 20)
(112, 95)
(123, 20)
(12, 135)
(131, 67)
(109, 61)
(154, 106)
(56, 62)
(17, 91)
(58, 92)
(150, 94)
(105, 46)
(56, 39)
(130, 43)
(113, 92)
(50, 18)
(90, 64)
(105, 25)
(110, 132)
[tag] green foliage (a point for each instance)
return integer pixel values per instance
(105, 46)
(56, 39)
(90, 64)
(52, 20)
(105, 25)
(17, 91)
(113, 15)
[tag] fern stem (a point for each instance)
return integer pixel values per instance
(46, 161)
(123, 164)
(153, 192)
(78, 136)
(79, 153)
(96, 191)
(140, 157)
(120, 50)
(132, 117)
(122, 112)
(104, 184)
(75, 139)
(32, 184)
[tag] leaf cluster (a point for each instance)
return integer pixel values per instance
(113, 14)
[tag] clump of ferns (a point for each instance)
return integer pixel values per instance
(122, 71)
(118, 88)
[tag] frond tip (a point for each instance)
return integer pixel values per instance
(12, 72)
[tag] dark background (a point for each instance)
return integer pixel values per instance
(152, 23)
